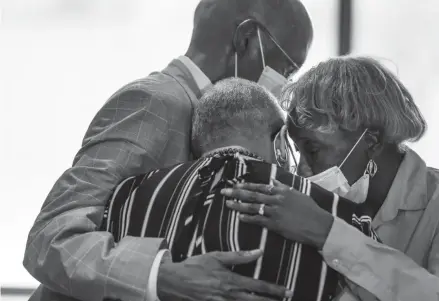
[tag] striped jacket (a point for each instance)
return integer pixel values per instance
(183, 204)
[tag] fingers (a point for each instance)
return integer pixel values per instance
(255, 219)
(280, 185)
(245, 296)
(249, 208)
(261, 188)
(261, 287)
(241, 257)
(284, 187)
(249, 196)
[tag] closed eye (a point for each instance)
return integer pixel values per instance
(289, 71)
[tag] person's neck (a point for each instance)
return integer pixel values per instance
(388, 163)
(239, 144)
(210, 65)
(224, 148)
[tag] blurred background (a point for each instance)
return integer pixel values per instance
(61, 59)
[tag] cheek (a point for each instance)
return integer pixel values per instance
(326, 159)
(321, 165)
(250, 69)
(279, 65)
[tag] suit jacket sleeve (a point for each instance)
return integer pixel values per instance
(65, 251)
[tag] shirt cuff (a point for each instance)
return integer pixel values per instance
(342, 245)
(151, 293)
(344, 252)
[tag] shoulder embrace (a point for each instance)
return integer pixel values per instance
(158, 93)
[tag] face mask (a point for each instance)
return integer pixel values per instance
(334, 180)
(273, 81)
(270, 79)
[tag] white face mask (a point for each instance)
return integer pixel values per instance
(335, 181)
(270, 79)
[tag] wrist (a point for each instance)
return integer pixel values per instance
(166, 282)
(324, 226)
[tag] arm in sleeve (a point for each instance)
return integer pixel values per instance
(380, 270)
(65, 251)
(344, 209)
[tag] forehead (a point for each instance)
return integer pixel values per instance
(300, 135)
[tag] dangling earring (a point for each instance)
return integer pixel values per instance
(371, 168)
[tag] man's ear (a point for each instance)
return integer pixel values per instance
(374, 141)
(245, 32)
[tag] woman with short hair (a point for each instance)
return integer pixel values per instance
(350, 118)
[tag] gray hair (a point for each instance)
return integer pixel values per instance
(352, 94)
(234, 107)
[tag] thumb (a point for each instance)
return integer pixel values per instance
(241, 257)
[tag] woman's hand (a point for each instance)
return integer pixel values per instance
(285, 211)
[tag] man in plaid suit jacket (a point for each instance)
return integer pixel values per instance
(144, 126)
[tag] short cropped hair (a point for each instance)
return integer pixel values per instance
(352, 94)
(288, 20)
(235, 107)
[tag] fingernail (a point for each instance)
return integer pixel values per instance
(254, 252)
(289, 294)
(229, 202)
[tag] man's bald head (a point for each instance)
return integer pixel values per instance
(216, 22)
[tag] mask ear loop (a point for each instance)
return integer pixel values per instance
(290, 149)
(236, 64)
(261, 47)
(276, 150)
(260, 44)
(353, 148)
(287, 148)
(267, 32)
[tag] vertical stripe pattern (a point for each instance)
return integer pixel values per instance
(183, 204)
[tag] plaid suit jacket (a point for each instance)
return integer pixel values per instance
(144, 126)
